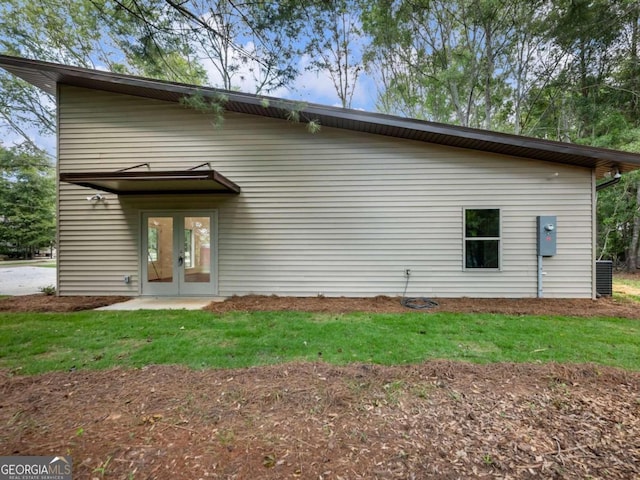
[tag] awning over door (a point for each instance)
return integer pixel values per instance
(160, 182)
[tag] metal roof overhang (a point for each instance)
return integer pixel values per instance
(46, 76)
(146, 183)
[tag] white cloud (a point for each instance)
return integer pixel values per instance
(317, 87)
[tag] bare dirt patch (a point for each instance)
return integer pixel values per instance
(317, 421)
(626, 289)
(621, 288)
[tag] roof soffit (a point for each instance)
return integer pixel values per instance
(46, 75)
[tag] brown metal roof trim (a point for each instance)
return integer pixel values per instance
(46, 75)
(162, 182)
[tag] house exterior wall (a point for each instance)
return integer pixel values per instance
(332, 213)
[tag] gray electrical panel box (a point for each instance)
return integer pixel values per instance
(547, 235)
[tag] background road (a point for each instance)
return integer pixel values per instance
(18, 280)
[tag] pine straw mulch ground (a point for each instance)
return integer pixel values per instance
(51, 303)
(440, 420)
(602, 307)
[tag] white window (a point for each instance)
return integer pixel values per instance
(482, 238)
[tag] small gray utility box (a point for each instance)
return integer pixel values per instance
(547, 235)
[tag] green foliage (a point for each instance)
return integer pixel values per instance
(635, 283)
(618, 210)
(313, 126)
(242, 41)
(125, 37)
(616, 207)
(453, 62)
(559, 69)
(54, 31)
(36, 343)
(592, 91)
(333, 41)
(212, 105)
(27, 202)
(295, 113)
(144, 31)
(49, 290)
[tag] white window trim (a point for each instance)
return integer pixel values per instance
(464, 240)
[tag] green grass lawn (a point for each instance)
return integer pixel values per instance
(626, 280)
(35, 343)
(29, 263)
(48, 264)
(620, 281)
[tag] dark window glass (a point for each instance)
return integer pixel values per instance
(482, 238)
(482, 253)
(482, 223)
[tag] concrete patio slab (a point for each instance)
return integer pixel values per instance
(163, 303)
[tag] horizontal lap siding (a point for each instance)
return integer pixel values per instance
(333, 213)
(97, 243)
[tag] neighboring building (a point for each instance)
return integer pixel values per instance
(260, 205)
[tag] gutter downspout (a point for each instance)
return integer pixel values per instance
(609, 183)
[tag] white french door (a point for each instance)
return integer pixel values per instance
(179, 253)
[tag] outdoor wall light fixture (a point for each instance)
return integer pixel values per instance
(615, 173)
(95, 198)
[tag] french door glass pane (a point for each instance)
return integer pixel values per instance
(197, 249)
(160, 249)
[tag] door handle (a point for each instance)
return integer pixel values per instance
(180, 261)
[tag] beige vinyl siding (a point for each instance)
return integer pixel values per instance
(332, 213)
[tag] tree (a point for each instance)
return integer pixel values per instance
(421, 64)
(333, 41)
(587, 33)
(619, 209)
(27, 202)
(597, 104)
(85, 33)
(239, 40)
(446, 61)
(619, 222)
